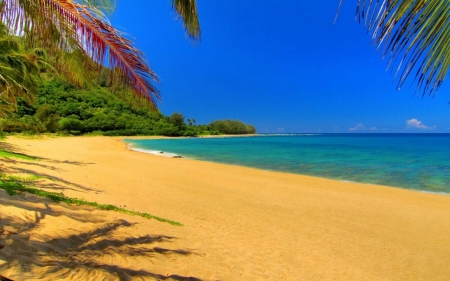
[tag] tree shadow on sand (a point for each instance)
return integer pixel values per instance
(86, 246)
(31, 163)
(18, 151)
(53, 182)
(57, 183)
(12, 148)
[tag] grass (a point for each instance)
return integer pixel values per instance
(15, 185)
(31, 178)
(30, 135)
(8, 154)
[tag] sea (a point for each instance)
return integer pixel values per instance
(413, 161)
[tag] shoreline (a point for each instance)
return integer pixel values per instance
(170, 154)
(240, 223)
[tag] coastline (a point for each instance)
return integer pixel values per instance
(363, 167)
(262, 225)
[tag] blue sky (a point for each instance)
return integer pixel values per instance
(282, 66)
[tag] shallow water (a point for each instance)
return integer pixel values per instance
(413, 161)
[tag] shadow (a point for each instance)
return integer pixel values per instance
(3, 278)
(54, 181)
(148, 239)
(96, 246)
(41, 207)
(129, 274)
(68, 162)
(15, 149)
(31, 163)
(38, 160)
(58, 184)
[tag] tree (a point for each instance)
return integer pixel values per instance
(177, 119)
(79, 28)
(231, 127)
(415, 35)
(18, 72)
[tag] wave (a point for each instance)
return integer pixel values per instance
(372, 159)
(155, 152)
(433, 192)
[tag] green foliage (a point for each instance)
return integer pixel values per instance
(231, 127)
(101, 105)
(8, 154)
(47, 118)
(177, 120)
(19, 71)
(71, 123)
(65, 109)
(414, 35)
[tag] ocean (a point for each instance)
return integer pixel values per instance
(413, 161)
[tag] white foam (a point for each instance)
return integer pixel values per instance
(352, 181)
(432, 192)
(154, 152)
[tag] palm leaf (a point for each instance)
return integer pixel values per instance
(18, 73)
(71, 26)
(76, 67)
(415, 35)
(66, 26)
(104, 5)
(187, 11)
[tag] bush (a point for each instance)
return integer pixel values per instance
(231, 127)
(71, 124)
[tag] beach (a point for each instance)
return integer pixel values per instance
(238, 223)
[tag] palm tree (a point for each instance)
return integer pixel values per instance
(80, 27)
(18, 72)
(415, 35)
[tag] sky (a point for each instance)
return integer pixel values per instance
(282, 66)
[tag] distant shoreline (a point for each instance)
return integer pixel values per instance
(366, 159)
(169, 154)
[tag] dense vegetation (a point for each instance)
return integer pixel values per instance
(63, 108)
(41, 96)
(79, 36)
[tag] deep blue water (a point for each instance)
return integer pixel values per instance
(413, 161)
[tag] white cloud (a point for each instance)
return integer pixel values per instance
(417, 124)
(280, 129)
(358, 127)
(373, 128)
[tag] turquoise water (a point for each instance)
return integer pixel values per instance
(413, 161)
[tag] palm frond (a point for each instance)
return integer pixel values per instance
(187, 11)
(76, 67)
(104, 5)
(415, 35)
(71, 26)
(18, 73)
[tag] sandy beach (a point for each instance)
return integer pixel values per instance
(239, 223)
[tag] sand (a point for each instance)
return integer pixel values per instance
(239, 223)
